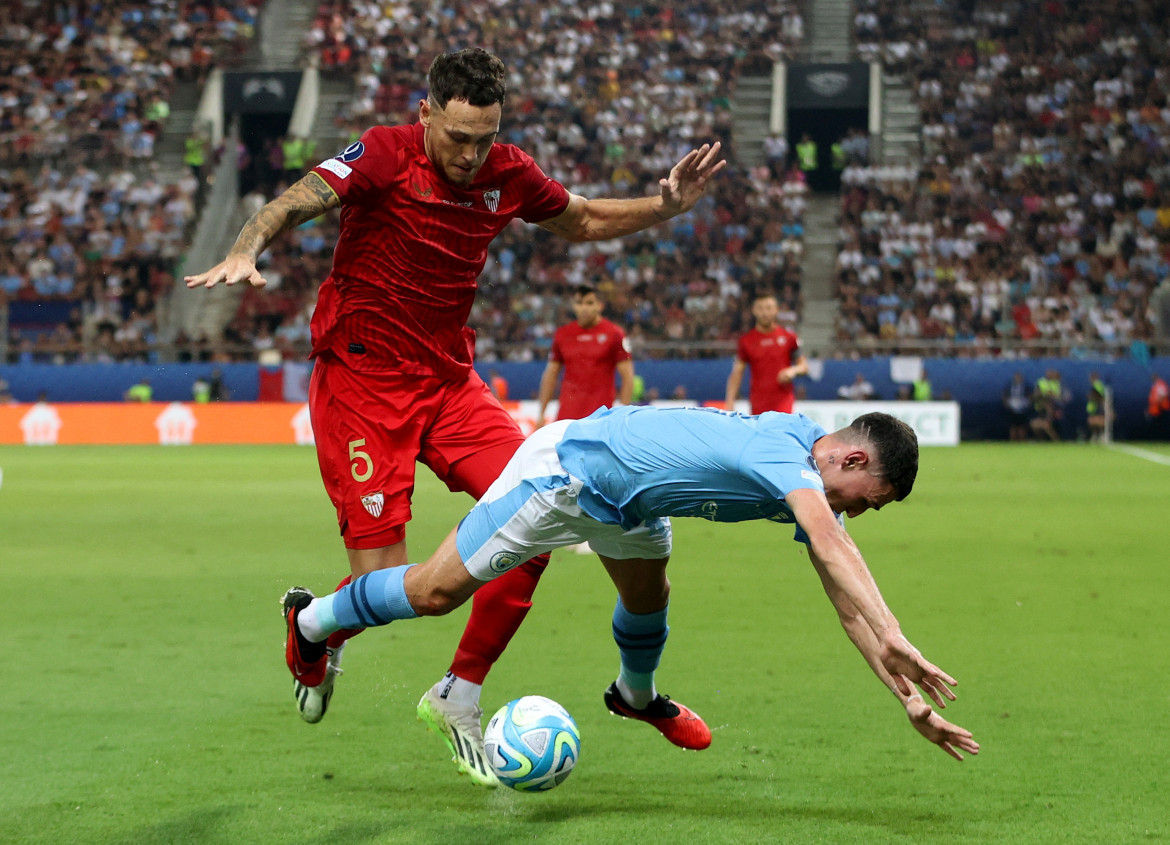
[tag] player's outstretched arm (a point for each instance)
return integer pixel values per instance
(949, 737)
(601, 219)
(848, 578)
(307, 198)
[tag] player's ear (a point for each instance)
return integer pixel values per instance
(855, 458)
(424, 112)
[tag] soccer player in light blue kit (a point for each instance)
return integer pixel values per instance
(614, 480)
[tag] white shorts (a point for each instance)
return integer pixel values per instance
(532, 508)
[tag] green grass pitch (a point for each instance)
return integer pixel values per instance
(145, 698)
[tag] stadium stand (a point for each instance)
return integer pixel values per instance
(1035, 219)
(92, 227)
(607, 112)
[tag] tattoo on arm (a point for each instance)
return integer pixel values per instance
(308, 198)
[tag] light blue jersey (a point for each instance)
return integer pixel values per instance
(640, 464)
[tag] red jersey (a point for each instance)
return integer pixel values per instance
(589, 357)
(411, 247)
(767, 353)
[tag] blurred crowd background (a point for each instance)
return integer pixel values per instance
(1037, 207)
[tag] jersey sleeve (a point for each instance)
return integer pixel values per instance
(556, 352)
(801, 537)
(366, 165)
(620, 350)
(741, 349)
(545, 197)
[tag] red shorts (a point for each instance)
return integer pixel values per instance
(371, 428)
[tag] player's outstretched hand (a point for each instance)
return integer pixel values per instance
(906, 664)
(950, 738)
(688, 179)
(230, 271)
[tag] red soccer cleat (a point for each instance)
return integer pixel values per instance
(677, 722)
(307, 661)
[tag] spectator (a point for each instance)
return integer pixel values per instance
(1017, 401)
(859, 390)
(201, 391)
(1049, 398)
(1097, 409)
(140, 392)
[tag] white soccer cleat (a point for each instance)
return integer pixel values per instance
(312, 702)
(460, 727)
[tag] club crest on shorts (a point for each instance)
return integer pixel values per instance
(503, 561)
(373, 504)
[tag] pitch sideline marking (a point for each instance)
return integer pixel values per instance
(1145, 454)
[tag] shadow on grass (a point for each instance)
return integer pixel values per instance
(203, 825)
(731, 808)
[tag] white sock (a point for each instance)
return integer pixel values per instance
(639, 699)
(310, 625)
(458, 690)
(335, 656)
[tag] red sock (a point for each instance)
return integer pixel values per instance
(338, 637)
(496, 613)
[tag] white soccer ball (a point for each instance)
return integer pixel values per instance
(532, 744)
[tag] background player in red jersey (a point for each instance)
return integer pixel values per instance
(393, 381)
(773, 353)
(589, 350)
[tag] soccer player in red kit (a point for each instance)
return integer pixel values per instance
(393, 381)
(589, 349)
(773, 353)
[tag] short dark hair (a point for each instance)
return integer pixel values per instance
(897, 449)
(473, 75)
(584, 289)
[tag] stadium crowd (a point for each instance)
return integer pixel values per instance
(91, 230)
(91, 82)
(1040, 210)
(88, 258)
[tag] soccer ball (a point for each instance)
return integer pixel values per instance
(532, 744)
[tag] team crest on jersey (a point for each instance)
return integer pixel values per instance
(373, 504)
(492, 199)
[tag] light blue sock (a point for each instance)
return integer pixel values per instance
(377, 598)
(640, 638)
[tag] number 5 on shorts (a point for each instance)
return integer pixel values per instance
(356, 455)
